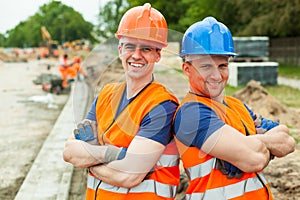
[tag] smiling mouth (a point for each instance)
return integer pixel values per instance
(136, 65)
(214, 84)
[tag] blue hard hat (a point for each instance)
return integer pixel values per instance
(207, 37)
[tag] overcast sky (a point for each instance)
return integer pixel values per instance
(12, 12)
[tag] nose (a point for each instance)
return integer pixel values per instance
(137, 53)
(215, 73)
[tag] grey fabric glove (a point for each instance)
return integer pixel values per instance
(114, 153)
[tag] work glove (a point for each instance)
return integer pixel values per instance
(262, 125)
(114, 153)
(87, 131)
(228, 169)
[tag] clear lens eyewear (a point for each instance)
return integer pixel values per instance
(129, 47)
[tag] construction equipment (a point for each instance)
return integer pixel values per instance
(80, 44)
(51, 49)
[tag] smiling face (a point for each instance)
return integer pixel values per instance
(138, 57)
(208, 74)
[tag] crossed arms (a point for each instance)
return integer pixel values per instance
(128, 172)
(249, 153)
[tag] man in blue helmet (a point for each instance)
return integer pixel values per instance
(224, 146)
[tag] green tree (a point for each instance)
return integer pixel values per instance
(2, 39)
(62, 22)
(172, 10)
(110, 16)
(196, 10)
(273, 18)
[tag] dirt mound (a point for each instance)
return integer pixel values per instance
(282, 174)
(261, 102)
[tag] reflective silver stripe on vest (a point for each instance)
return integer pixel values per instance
(200, 170)
(160, 189)
(168, 160)
(230, 191)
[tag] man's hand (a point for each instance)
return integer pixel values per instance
(87, 131)
(228, 169)
(279, 141)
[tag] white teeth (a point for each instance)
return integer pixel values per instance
(136, 65)
(213, 83)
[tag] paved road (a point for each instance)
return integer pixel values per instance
(27, 117)
(34, 126)
(50, 177)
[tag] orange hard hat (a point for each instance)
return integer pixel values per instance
(144, 22)
(77, 59)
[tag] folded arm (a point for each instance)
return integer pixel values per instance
(141, 156)
(82, 154)
(249, 153)
(278, 141)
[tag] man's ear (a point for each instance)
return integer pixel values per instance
(185, 68)
(158, 51)
(120, 50)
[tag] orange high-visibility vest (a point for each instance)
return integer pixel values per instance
(162, 183)
(74, 69)
(208, 183)
(64, 71)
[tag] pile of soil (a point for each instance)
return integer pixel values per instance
(261, 102)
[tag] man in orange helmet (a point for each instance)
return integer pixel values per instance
(75, 68)
(126, 140)
(63, 68)
(68, 70)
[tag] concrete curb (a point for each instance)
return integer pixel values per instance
(50, 177)
(294, 83)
